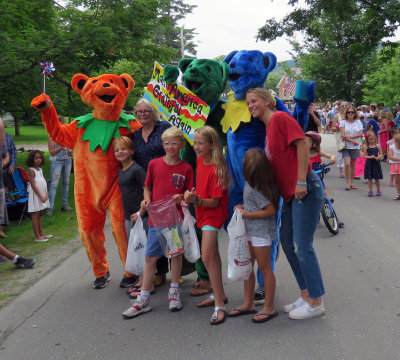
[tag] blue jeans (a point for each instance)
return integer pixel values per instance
(299, 221)
(59, 167)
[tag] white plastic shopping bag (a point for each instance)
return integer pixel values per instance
(135, 258)
(239, 258)
(189, 237)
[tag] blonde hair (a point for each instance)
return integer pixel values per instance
(396, 139)
(217, 158)
(173, 132)
(264, 94)
(143, 101)
(370, 133)
(124, 142)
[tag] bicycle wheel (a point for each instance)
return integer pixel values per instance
(330, 218)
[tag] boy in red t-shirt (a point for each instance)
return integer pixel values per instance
(167, 177)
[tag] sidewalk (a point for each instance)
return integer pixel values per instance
(29, 147)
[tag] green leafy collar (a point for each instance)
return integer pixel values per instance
(101, 132)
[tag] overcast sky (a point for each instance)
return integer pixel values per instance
(224, 26)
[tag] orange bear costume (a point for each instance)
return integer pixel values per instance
(95, 167)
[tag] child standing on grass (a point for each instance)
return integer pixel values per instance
(260, 198)
(394, 159)
(167, 177)
(210, 197)
(38, 199)
(372, 152)
(131, 179)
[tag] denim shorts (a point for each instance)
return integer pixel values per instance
(351, 153)
(154, 237)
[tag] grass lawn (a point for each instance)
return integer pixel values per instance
(32, 134)
(62, 225)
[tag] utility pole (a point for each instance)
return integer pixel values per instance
(182, 44)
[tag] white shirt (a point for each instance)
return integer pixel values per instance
(350, 129)
(396, 153)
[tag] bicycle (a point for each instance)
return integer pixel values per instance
(327, 212)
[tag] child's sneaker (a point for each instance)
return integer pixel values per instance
(259, 295)
(391, 183)
(138, 307)
(23, 263)
(175, 302)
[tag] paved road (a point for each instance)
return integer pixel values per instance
(62, 317)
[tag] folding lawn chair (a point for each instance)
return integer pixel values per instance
(17, 201)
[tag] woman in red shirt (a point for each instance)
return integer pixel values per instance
(301, 189)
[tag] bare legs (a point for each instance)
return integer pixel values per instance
(212, 261)
(37, 225)
(349, 165)
(263, 256)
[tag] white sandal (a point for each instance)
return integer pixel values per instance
(214, 317)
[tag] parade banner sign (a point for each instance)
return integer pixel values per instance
(176, 104)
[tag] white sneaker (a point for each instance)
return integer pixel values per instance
(305, 311)
(288, 308)
(175, 302)
(41, 240)
(139, 306)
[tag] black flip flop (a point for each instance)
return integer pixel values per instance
(241, 312)
(269, 317)
(133, 288)
(209, 301)
(133, 296)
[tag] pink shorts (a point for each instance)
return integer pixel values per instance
(394, 169)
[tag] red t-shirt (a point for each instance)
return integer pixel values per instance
(315, 159)
(208, 187)
(168, 180)
(282, 131)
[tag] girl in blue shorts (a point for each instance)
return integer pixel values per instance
(210, 197)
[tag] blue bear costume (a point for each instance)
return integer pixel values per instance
(249, 69)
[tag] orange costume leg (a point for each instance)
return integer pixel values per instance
(91, 221)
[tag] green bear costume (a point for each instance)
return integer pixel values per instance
(207, 79)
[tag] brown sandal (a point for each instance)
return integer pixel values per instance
(202, 288)
(209, 301)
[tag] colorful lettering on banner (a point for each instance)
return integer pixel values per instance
(176, 104)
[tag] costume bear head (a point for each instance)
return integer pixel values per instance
(106, 93)
(248, 69)
(206, 78)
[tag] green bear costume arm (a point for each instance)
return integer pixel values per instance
(171, 74)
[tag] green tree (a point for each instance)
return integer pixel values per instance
(341, 38)
(82, 36)
(273, 79)
(383, 83)
(169, 31)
